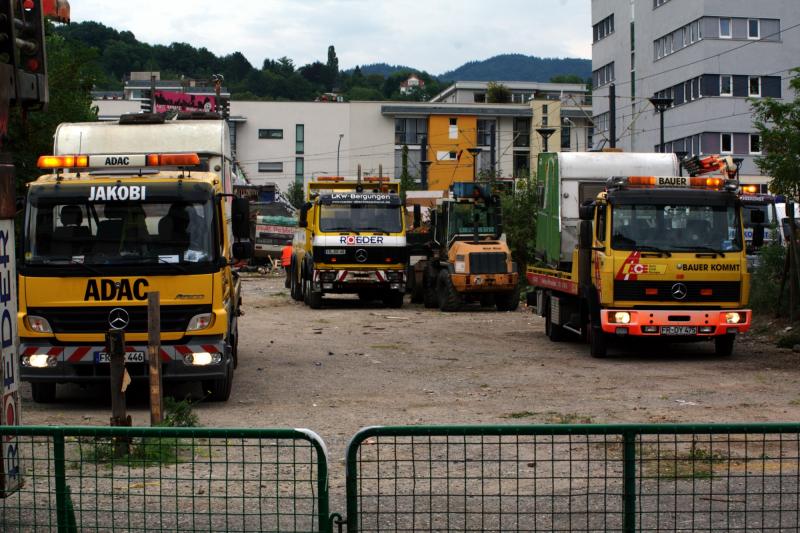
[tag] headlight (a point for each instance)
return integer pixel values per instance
(622, 317)
(460, 265)
(39, 360)
(202, 358)
(38, 324)
(200, 321)
(733, 318)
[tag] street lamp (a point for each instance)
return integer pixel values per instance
(545, 133)
(661, 105)
(474, 152)
(341, 136)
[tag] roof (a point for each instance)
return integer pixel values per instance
(512, 86)
(428, 108)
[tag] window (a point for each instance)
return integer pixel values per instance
(726, 143)
(270, 134)
(725, 28)
(299, 169)
(479, 98)
(684, 36)
(485, 130)
(601, 122)
(410, 130)
(522, 132)
(659, 3)
(753, 29)
(265, 166)
(566, 132)
(454, 122)
(726, 85)
(692, 35)
(754, 86)
(299, 138)
(603, 29)
(603, 75)
(544, 115)
(755, 144)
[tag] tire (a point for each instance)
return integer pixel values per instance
(43, 392)
(449, 299)
(598, 342)
(219, 390)
(297, 293)
(508, 301)
(314, 297)
(429, 297)
(393, 299)
(235, 346)
(723, 345)
(553, 331)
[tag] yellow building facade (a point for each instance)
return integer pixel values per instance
(449, 139)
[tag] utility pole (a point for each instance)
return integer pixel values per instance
(612, 115)
(338, 146)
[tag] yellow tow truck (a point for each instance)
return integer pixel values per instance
(658, 257)
(101, 232)
(351, 238)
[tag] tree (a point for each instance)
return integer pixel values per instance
(778, 124)
(295, 195)
(519, 209)
(333, 67)
(497, 93)
(567, 78)
(72, 71)
(406, 180)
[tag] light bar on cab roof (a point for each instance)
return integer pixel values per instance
(98, 161)
(376, 179)
(330, 178)
(63, 161)
(672, 181)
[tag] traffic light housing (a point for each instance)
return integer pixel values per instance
(147, 101)
(30, 59)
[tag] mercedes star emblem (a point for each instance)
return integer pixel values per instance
(679, 291)
(118, 318)
(361, 255)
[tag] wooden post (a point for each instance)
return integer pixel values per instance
(115, 346)
(154, 357)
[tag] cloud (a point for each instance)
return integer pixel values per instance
(433, 35)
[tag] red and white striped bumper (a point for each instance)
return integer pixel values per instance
(87, 354)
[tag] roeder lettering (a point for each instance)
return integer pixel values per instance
(110, 290)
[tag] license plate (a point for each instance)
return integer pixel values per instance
(679, 330)
(130, 357)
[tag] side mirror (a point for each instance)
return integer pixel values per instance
(757, 216)
(758, 236)
(240, 214)
(302, 221)
(586, 210)
(243, 250)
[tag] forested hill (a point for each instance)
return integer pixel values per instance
(120, 52)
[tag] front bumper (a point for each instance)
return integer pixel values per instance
(486, 283)
(77, 363)
(708, 323)
(348, 281)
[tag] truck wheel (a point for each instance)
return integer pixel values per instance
(449, 299)
(429, 297)
(508, 301)
(723, 345)
(598, 341)
(393, 299)
(43, 392)
(553, 331)
(219, 390)
(314, 297)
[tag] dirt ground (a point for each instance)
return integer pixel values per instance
(352, 365)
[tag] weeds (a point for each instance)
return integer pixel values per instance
(697, 462)
(520, 414)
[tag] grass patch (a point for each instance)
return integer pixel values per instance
(567, 418)
(520, 414)
(694, 463)
(146, 451)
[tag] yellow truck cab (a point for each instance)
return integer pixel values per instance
(105, 229)
(351, 238)
(657, 257)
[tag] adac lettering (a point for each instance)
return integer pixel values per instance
(121, 193)
(121, 161)
(107, 290)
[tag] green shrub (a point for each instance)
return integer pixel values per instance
(765, 282)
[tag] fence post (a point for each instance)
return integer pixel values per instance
(154, 357)
(115, 344)
(60, 472)
(629, 481)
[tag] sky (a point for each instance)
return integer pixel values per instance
(432, 35)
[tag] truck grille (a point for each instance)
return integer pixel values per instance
(95, 319)
(661, 291)
(487, 263)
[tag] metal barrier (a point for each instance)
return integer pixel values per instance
(733, 477)
(195, 479)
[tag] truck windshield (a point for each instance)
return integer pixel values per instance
(676, 227)
(66, 230)
(356, 217)
(462, 219)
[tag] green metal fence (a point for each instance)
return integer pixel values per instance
(170, 479)
(733, 477)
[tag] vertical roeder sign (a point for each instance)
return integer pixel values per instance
(9, 461)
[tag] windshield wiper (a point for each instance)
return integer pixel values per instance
(648, 248)
(69, 262)
(707, 249)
